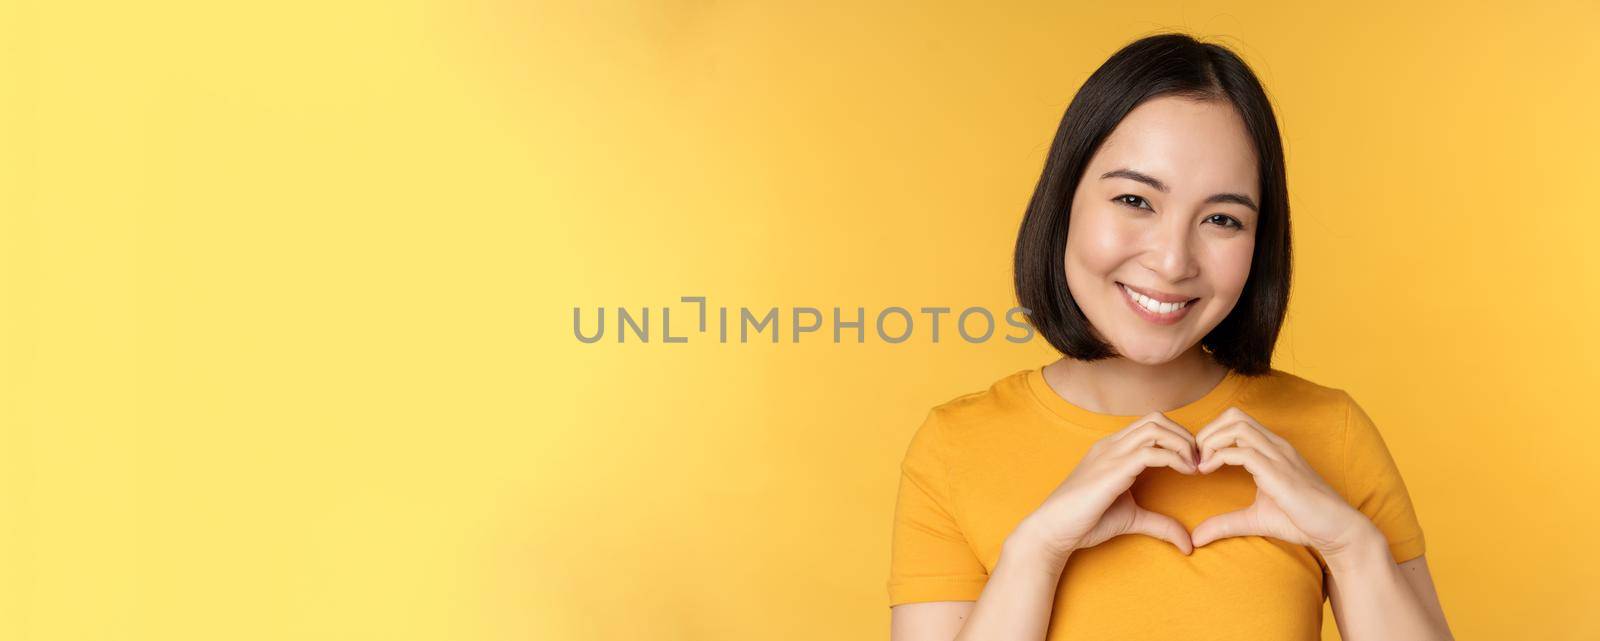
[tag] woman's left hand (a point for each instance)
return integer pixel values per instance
(1292, 503)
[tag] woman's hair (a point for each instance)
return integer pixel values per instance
(1159, 65)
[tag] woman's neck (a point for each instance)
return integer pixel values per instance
(1126, 388)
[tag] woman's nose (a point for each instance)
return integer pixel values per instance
(1172, 257)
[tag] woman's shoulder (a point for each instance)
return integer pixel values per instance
(1277, 381)
(1283, 390)
(979, 407)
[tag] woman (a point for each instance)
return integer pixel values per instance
(1154, 256)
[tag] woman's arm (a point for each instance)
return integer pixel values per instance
(1015, 603)
(1385, 600)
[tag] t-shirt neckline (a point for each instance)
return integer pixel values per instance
(1189, 415)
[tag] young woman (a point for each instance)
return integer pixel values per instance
(1155, 257)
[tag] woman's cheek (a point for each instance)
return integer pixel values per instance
(1110, 243)
(1231, 262)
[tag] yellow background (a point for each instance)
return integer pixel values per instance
(287, 293)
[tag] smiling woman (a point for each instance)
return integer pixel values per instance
(1182, 228)
(1161, 478)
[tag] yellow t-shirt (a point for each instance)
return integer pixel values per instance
(981, 462)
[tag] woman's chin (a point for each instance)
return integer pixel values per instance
(1148, 355)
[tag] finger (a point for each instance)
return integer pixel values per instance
(1163, 441)
(1246, 457)
(1154, 417)
(1162, 527)
(1147, 457)
(1136, 424)
(1283, 446)
(1151, 434)
(1181, 431)
(1227, 417)
(1261, 428)
(1161, 421)
(1233, 415)
(1216, 438)
(1238, 434)
(1235, 523)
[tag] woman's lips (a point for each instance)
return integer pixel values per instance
(1158, 319)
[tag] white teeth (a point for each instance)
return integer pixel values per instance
(1150, 304)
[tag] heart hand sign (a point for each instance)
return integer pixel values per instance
(1095, 503)
(1292, 503)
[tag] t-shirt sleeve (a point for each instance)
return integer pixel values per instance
(930, 557)
(1374, 486)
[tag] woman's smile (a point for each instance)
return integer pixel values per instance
(1151, 310)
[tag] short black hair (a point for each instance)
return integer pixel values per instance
(1154, 66)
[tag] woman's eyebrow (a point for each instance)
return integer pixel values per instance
(1162, 187)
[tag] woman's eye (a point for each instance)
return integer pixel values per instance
(1133, 202)
(1227, 221)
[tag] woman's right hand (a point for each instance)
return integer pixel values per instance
(1094, 503)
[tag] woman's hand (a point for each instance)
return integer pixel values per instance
(1292, 503)
(1094, 503)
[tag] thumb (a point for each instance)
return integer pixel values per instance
(1162, 527)
(1235, 523)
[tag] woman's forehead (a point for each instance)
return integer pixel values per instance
(1187, 144)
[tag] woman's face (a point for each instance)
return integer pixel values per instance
(1167, 206)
